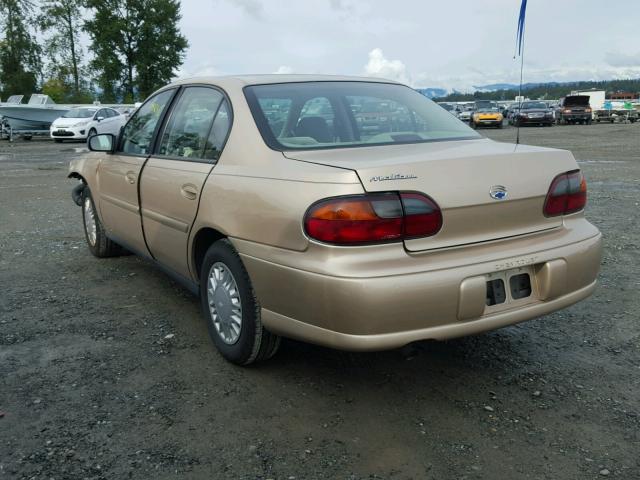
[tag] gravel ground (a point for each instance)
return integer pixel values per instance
(107, 372)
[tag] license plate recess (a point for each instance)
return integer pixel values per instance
(509, 286)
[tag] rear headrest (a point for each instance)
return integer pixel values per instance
(314, 127)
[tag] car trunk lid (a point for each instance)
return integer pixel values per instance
(576, 101)
(459, 175)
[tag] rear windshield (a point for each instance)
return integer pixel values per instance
(532, 105)
(316, 115)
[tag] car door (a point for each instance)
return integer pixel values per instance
(118, 174)
(172, 180)
(99, 121)
(111, 121)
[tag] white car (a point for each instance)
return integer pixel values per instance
(83, 122)
(465, 115)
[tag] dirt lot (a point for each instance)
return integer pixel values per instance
(107, 372)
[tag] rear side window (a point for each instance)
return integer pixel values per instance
(137, 135)
(219, 132)
(189, 125)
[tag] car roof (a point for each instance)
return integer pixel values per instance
(245, 80)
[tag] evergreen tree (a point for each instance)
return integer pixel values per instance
(137, 45)
(20, 62)
(62, 19)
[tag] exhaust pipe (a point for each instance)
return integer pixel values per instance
(77, 193)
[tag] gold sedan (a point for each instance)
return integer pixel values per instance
(266, 197)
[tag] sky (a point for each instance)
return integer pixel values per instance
(454, 44)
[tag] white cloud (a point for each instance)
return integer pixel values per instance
(253, 8)
(468, 82)
(422, 41)
(381, 67)
(284, 70)
(200, 70)
(616, 59)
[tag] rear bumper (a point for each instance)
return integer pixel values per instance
(342, 341)
(575, 116)
(441, 295)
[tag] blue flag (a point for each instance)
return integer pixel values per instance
(520, 32)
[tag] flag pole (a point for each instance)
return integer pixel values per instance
(520, 51)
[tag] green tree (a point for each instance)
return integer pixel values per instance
(62, 19)
(20, 63)
(56, 89)
(137, 45)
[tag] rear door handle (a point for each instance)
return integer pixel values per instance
(131, 177)
(189, 191)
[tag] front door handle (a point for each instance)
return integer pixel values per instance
(131, 177)
(189, 191)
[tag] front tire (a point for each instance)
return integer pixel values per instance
(99, 244)
(231, 308)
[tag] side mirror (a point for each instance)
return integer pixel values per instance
(99, 119)
(104, 142)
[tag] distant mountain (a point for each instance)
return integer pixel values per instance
(513, 86)
(541, 90)
(437, 92)
(433, 92)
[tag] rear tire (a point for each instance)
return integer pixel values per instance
(231, 309)
(97, 241)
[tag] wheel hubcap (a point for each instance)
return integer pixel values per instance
(90, 221)
(224, 301)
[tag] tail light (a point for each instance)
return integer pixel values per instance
(567, 194)
(587, 110)
(373, 218)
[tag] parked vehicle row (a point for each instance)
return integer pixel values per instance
(572, 109)
(305, 222)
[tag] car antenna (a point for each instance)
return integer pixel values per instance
(520, 52)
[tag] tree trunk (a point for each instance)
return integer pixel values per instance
(72, 44)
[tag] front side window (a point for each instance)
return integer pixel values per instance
(187, 131)
(137, 134)
(315, 115)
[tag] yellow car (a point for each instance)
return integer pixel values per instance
(486, 114)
